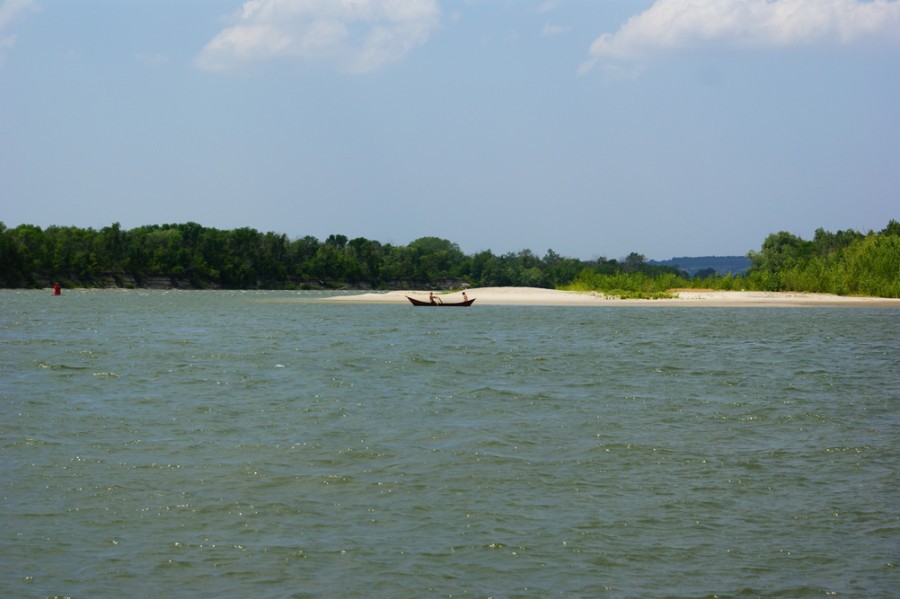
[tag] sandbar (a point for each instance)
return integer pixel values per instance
(532, 296)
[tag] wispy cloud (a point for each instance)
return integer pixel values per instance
(10, 10)
(547, 6)
(355, 36)
(552, 30)
(678, 24)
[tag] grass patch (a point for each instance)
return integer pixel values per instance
(647, 295)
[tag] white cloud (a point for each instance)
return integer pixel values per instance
(547, 6)
(552, 30)
(356, 36)
(9, 11)
(677, 24)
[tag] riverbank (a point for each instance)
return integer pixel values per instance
(530, 296)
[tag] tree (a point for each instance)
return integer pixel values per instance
(779, 251)
(634, 262)
(892, 229)
(12, 273)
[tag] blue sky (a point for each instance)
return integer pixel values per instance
(590, 127)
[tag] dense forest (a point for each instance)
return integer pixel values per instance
(192, 256)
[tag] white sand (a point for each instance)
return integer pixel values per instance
(530, 296)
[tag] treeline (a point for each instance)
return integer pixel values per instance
(842, 263)
(192, 256)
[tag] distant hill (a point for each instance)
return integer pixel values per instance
(722, 265)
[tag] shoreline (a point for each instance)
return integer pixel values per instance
(536, 296)
(532, 296)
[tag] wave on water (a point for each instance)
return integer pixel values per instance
(233, 444)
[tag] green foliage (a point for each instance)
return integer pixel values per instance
(632, 279)
(628, 285)
(190, 255)
(843, 263)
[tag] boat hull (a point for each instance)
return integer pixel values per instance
(439, 304)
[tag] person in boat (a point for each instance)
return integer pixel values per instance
(431, 297)
(465, 297)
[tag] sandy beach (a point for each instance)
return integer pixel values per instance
(530, 296)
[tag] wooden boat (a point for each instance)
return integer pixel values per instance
(438, 302)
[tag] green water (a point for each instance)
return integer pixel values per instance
(234, 444)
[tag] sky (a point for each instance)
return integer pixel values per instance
(594, 128)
